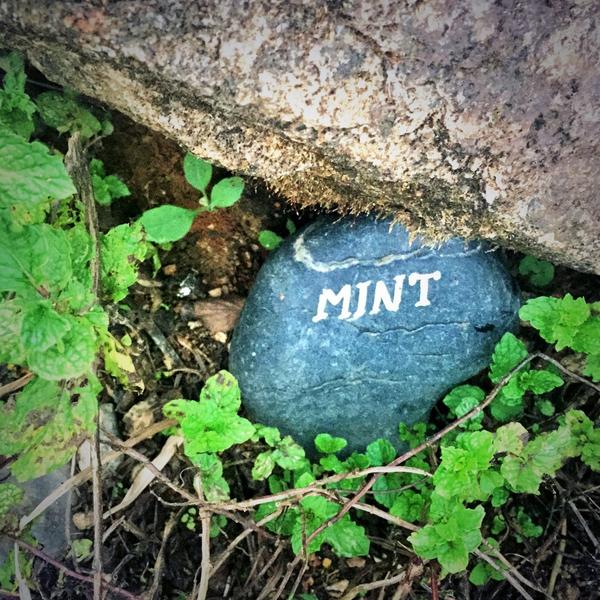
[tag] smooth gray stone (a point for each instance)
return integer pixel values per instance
(307, 365)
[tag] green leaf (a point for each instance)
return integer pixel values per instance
(167, 223)
(16, 108)
(540, 312)
(545, 407)
(587, 338)
(121, 249)
(29, 174)
(263, 465)
(10, 496)
(271, 435)
(540, 381)
(462, 400)
(212, 424)
(36, 258)
(223, 390)
(290, 226)
(282, 525)
(214, 486)
(106, 188)
(345, 537)
(527, 528)
(409, 505)
(44, 427)
(510, 438)
(328, 444)
(592, 367)
(11, 343)
(81, 548)
(269, 239)
(508, 353)
(70, 357)
(198, 172)
(539, 272)
(289, 454)
(226, 193)
(43, 327)
(451, 541)
(381, 452)
(65, 114)
(558, 320)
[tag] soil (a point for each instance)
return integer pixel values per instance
(174, 351)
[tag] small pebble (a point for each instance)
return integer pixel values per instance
(170, 269)
(215, 292)
(220, 337)
(326, 563)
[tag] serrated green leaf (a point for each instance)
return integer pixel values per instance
(508, 353)
(11, 344)
(43, 327)
(16, 108)
(214, 486)
(451, 541)
(558, 320)
(540, 381)
(226, 192)
(65, 114)
(44, 427)
(527, 528)
(212, 424)
(409, 505)
(289, 454)
(510, 438)
(462, 400)
(271, 435)
(539, 272)
(380, 452)
(587, 338)
(121, 249)
(328, 444)
(198, 172)
(10, 496)
(37, 257)
(167, 223)
(29, 174)
(106, 188)
(269, 239)
(223, 390)
(592, 367)
(346, 537)
(540, 312)
(387, 488)
(263, 465)
(70, 357)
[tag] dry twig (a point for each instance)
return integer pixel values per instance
(76, 163)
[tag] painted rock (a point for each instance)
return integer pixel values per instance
(351, 329)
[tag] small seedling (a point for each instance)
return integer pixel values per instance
(270, 240)
(539, 272)
(169, 223)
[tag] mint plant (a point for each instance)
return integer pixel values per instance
(540, 273)
(55, 326)
(568, 323)
(106, 187)
(270, 240)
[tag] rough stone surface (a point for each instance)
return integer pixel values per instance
(473, 118)
(351, 329)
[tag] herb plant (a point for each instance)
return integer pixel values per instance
(169, 223)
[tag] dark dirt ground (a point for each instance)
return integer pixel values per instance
(179, 322)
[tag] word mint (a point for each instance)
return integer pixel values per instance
(381, 296)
